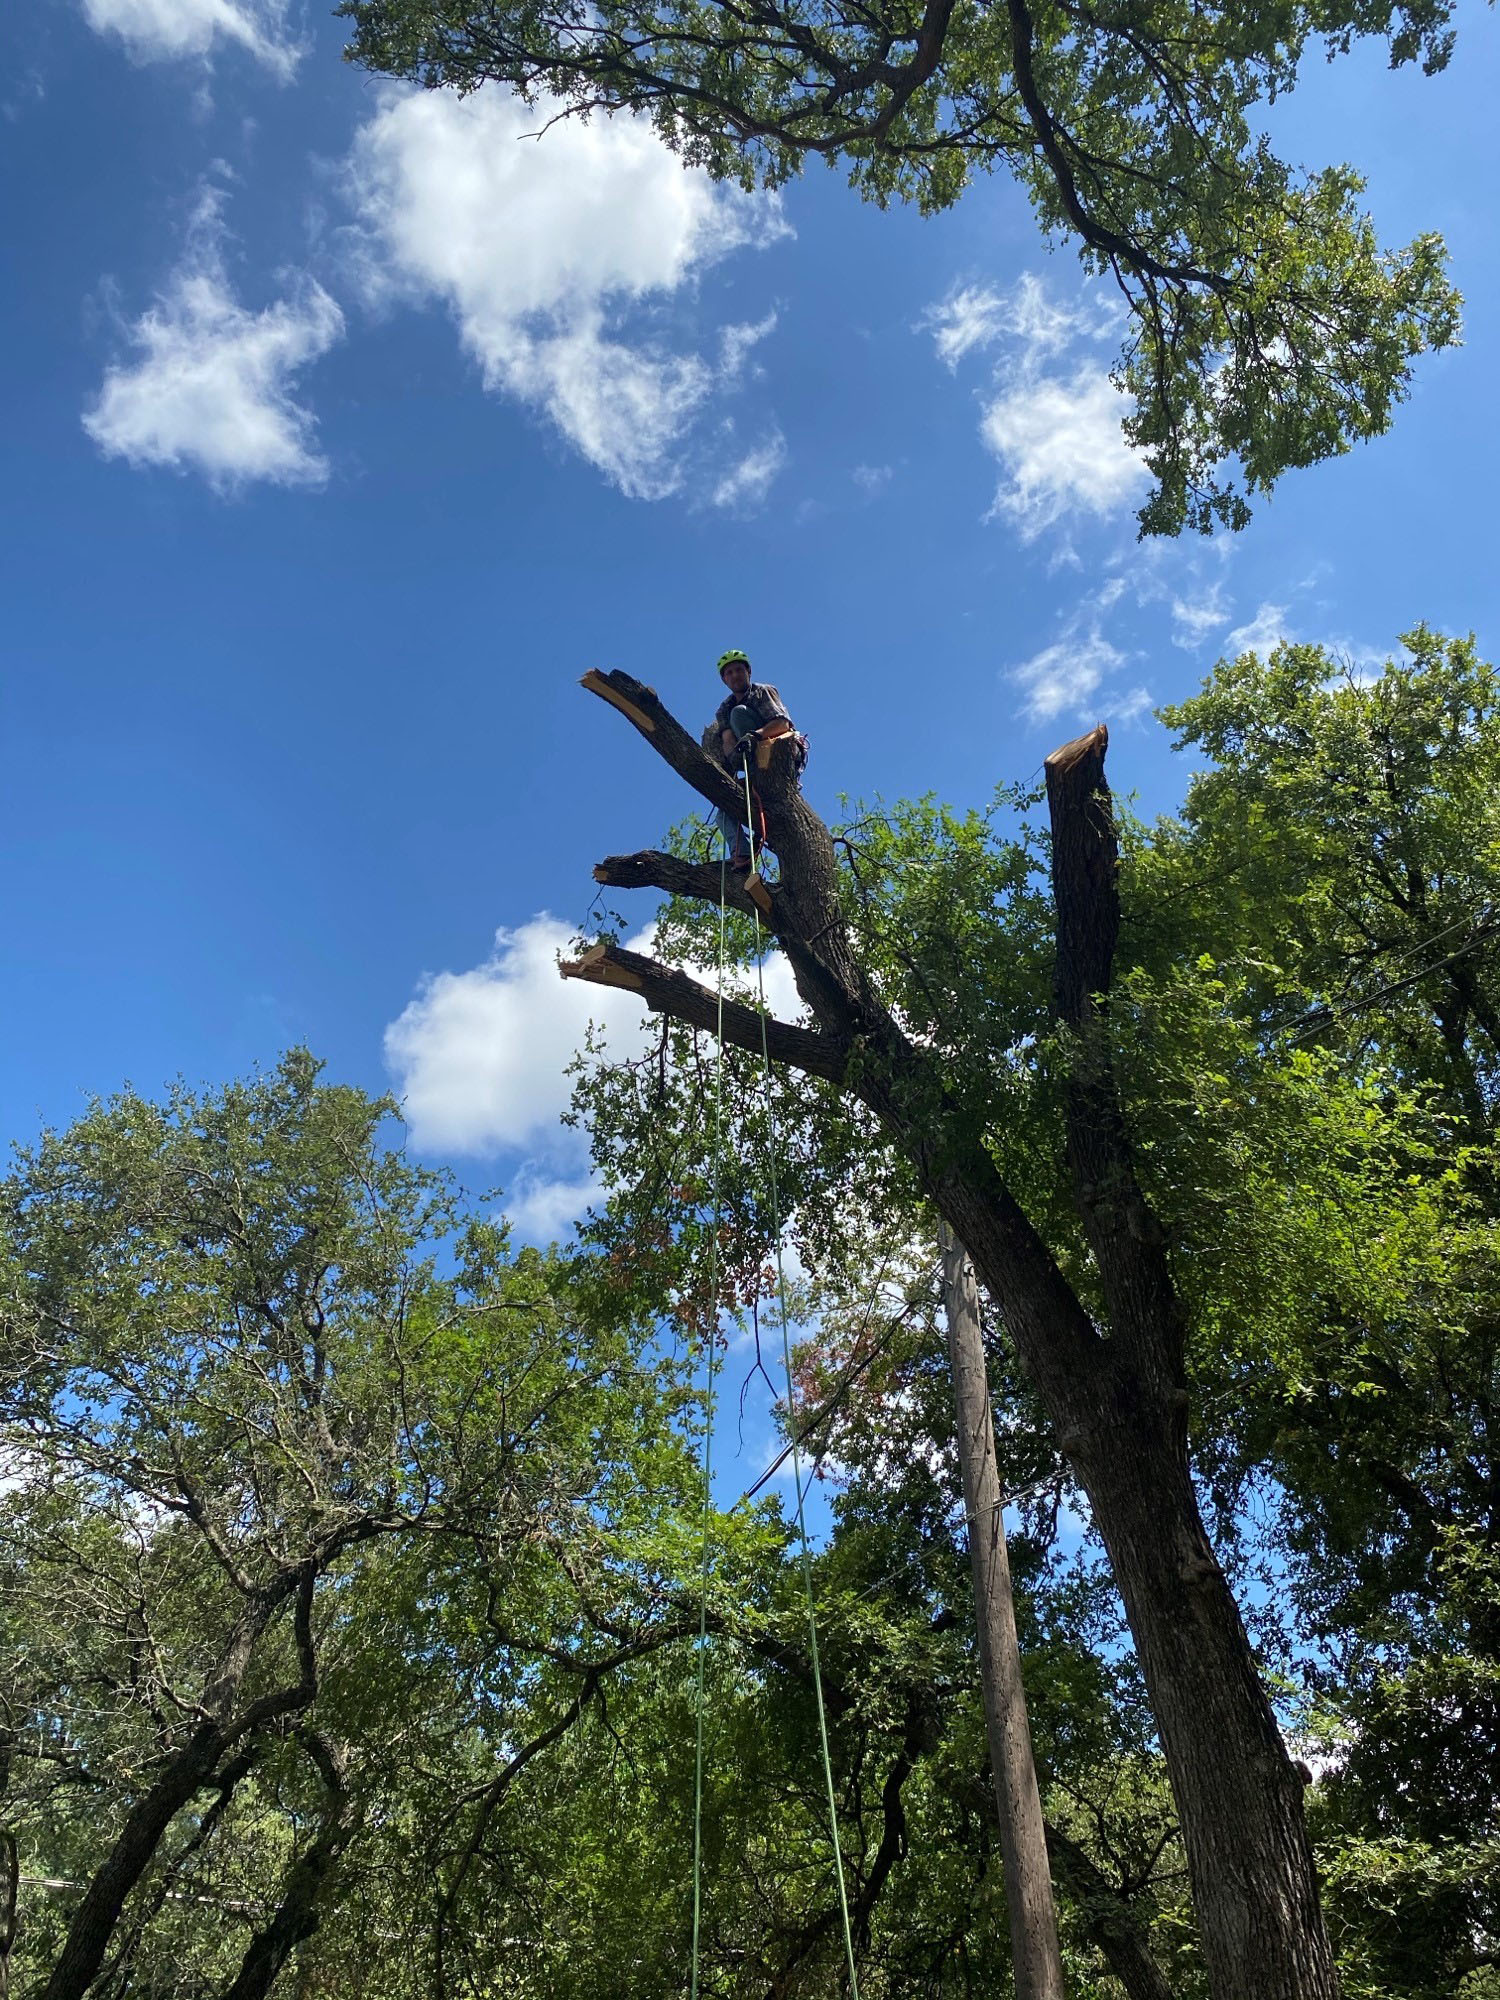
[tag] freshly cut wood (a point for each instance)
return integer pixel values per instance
(595, 682)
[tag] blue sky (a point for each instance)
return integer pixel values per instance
(347, 427)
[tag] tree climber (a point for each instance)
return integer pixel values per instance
(752, 710)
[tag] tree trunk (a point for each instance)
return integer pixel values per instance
(1239, 1798)
(1238, 1795)
(1023, 1841)
(300, 1910)
(95, 1918)
(1109, 1919)
(187, 1773)
(1116, 1392)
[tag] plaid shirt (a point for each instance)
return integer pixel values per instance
(762, 700)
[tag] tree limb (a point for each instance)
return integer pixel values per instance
(666, 991)
(701, 881)
(1108, 1917)
(1124, 1234)
(643, 708)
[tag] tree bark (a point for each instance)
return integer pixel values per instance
(1109, 1920)
(186, 1773)
(1116, 1394)
(1238, 1795)
(1023, 1841)
(299, 1912)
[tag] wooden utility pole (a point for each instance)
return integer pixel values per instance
(1023, 1841)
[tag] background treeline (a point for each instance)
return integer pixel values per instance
(349, 1558)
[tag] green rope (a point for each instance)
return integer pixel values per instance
(708, 1441)
(786, 1355)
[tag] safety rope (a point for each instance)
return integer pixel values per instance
(708, 1436)
(786, 1355)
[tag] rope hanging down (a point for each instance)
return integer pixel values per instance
(786, 1356)
(708, 1442)
(795, 1447)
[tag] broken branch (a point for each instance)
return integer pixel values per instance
(652, 869)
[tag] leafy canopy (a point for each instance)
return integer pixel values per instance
(1266, 329)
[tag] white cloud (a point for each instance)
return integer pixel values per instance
(736, 342)
(872, 479)
(167, 30)
(542, 248)
(542, 1208)
(748, 483)
(480, 1058)
(1057, 435)
(210, 388)
(974, 316)
(1074, 673)
(1060, 448)
(1130, 707)
(1065, 675)
(971, 316)
(1266, 630)
(1196, 617)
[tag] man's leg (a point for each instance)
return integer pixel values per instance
(734, 840)
(742, 722)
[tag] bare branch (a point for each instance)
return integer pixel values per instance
(666, 991)
(643, 707)
(699, 880)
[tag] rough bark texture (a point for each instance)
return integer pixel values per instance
(1023, 1840)
(1116, 1395)
(1254, 1883)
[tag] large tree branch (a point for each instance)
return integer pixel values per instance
(907, 1088)
(644, 709)
(702, 882)
(1108, 1917)
(666, 991)
(299, 1912)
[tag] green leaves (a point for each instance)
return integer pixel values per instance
(1266, 328)
(255, 1359)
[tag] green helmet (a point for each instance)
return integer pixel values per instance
(730, 658)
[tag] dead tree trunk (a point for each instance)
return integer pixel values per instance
(1116, 1393)
(1023, 1839)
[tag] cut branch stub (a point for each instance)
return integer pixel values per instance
(644, 709)
(667, 991)
(1085, 864)
(652, 869)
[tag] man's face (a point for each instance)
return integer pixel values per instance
(737, 676)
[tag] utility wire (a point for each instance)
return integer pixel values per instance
(1326, 1017)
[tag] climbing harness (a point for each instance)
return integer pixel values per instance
(796, 1446)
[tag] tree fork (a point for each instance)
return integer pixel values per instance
(1115, 1395)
